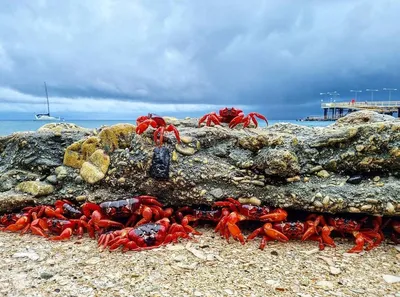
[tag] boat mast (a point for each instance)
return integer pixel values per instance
(47, 96)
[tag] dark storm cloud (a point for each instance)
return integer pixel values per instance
(272, 56)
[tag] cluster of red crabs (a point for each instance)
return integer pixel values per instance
(142, 223)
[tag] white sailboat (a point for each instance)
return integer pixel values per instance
(46, 116)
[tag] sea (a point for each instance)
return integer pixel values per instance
(9, 127)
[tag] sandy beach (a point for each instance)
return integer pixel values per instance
(207, 266)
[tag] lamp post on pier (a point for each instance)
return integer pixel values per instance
(390, 92)
(355, 93)
(372, 93)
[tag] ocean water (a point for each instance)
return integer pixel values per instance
(9, 127)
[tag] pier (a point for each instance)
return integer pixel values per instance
(335, 110)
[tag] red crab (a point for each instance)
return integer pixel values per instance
(145, 206)
(198, 214)
(143, 237)
(372, 237)
(395, 224)
(30, 219)
(283, 231)
(232, 116)
(65, 228)
(158, 123)
(239, 212)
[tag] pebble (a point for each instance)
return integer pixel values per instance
(46, 275)
(323, 174)
(391, 279)
(376, 178)
(27, 254)
(390, 207)
(186, 151)
(354, 180)
(93, 261)
(326, 285)
(318, 204)
(334, 270)
(293, 179)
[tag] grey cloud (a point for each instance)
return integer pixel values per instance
(261, 54)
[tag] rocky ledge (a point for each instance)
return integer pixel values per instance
(351, 166)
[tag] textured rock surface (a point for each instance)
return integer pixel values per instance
(283, 165)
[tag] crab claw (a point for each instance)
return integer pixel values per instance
(144, 125)
(210, 117)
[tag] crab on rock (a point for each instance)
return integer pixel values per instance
(158, 123)
(232, 116)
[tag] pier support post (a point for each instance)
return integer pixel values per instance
(398, 112)
(325, 113)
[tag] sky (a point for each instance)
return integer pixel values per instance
(104, 59)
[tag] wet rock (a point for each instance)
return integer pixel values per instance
(160, 163)
(35, 188)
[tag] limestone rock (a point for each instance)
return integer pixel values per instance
(116, 136)
(90, 173)
(363, 117)
(59, 128)
(101, 160)
(12, 201)
(35, 188)
(95, 169)
(283, 163)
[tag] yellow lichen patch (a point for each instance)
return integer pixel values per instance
(73, 156)
(101, 160)
(96, 167)
(89, 146)
(395, 152)
(255, 143)
(117, 136)
(90, 173)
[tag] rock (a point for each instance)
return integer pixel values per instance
(46, 275)
(326, 285)
(391, 279)
(61, 172)
(90, 173)
(101, 160)
(354, 180)
(11, 201)
(117, 136)
(35, 188)
(218, 162)
(282, 163)
(52, 179)
(376, 178)
(323, 174)
(59, 128)
(363, 117)
(160, 163)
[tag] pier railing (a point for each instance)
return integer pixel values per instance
(386, 105)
